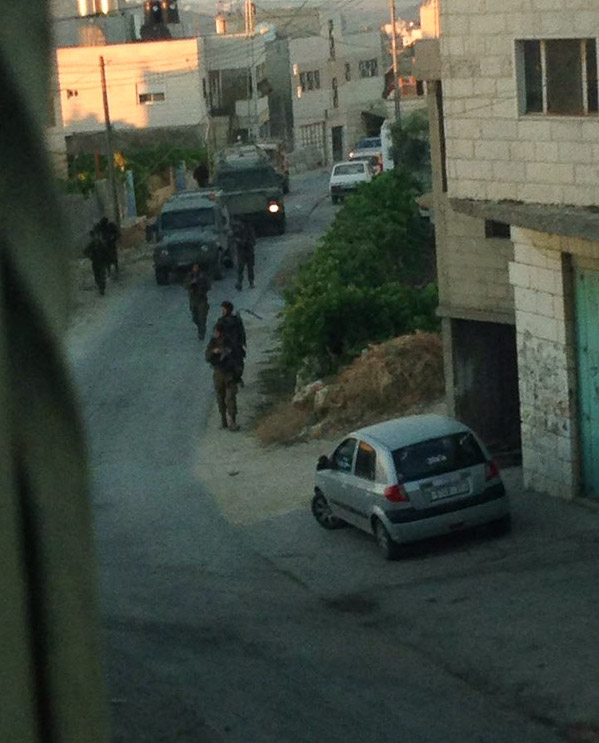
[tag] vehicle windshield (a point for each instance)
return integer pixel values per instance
(369, 142)
(187, 218)
(434, 457)
(241, 180)
(349, 169)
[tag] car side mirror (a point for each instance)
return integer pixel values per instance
(324, 463)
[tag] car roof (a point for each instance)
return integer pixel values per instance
(349, 162)
(411, 429)
(189, 200)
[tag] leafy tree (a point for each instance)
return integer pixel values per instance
(366, 282)
(411, 145)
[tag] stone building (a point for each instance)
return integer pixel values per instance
(338, 82)
(513, 96)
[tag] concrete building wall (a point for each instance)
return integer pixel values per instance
(543, 291)
(494, 149)
(356, 96)
(170, 71)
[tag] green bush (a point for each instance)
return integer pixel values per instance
(366, 282)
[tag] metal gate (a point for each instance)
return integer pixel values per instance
(587, 331)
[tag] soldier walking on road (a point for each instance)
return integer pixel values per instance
(231, 326)
(221, 356)
(109, 234)
(245, 238)
(96, 252)
(198, 285)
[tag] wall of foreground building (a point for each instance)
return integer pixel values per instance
(542, 275)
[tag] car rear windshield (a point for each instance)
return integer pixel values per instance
(187, 218)
(434, 457)
(352, 169)
(241, 180)
(369, 142)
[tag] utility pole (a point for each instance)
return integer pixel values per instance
(250, 30)
(109, 147)
(394, 54)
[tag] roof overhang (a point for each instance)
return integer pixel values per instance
(567, 221)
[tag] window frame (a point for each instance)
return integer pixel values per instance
(349, 471)
(153, 97)
(364, 446)
(589, 93)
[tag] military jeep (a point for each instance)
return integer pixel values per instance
(193, 227)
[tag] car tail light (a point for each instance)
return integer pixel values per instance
(396, 494)
(491, 470)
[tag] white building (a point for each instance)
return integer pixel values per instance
(338, 84)
(149, 85)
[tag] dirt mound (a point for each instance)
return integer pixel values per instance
(403, 375)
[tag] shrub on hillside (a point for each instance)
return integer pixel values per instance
(365, 283)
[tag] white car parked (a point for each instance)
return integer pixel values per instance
(346, 177)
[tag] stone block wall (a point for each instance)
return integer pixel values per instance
(493, 152)
(543, 293)
(475, 268)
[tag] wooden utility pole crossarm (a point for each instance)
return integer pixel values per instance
(109, 147)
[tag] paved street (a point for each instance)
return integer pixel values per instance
(209, 637)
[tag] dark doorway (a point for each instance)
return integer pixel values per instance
(485, 365)
(337, 142)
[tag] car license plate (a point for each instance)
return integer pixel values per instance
(447, 491)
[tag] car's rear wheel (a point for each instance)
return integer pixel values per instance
(323, 514)
(161, 275)
(387, 546)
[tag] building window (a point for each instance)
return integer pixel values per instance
(204, 88)
(311, 134)
(309, 81)
(497, 229)
(335, 93)
(331, 40)
(347, 71)
(558, 76)
(369, 68)
(146, 98)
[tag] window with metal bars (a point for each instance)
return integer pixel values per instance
(557, 76)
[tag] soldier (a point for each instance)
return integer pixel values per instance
(198, 285)
(245, 239)
(109, 233)
(96, 252)
(233, 331)
(221, 356)
(202, 175)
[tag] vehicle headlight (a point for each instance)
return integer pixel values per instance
(351, 154)
(273, 207)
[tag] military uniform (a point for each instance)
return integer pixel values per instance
(224, 371)
(198, 285)
(246, 241)
(109, 233)
(233, 332)
(97, 253)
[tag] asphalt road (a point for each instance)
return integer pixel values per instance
(205, 639)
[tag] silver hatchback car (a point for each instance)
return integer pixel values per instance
(409, 479)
